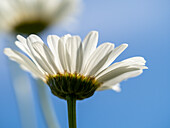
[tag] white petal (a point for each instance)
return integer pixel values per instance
(98, 58)
(34, 38)
(114, 54)
(46, 55)
(128, 62)
(62, 9)
(118, 75)
(79, 61)
(24, 45)
(24, 62)
(62, 54)
(138, 66)
(52, 41)
(37, 58)
(115, 87)
(21, 39)
(72, 46)
(65, 37)
(89, 45)
(123, 77)
(136, 60)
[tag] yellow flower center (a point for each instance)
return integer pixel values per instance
(76, 85)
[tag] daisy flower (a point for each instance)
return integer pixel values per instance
(69, 64)
(33, 16)
(75, 69)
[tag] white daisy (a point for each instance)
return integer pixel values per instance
(74, 67)
(33, 16)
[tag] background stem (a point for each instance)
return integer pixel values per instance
(46, 105)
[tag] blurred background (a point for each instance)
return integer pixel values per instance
(144, 101)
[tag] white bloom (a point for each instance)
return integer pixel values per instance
(33, 16)
(70, 59)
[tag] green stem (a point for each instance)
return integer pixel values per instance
(71, 105)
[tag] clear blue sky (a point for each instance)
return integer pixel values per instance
(145, 100)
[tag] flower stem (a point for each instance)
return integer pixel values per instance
(71, 105)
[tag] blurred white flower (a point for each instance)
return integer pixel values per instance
(33, 16)
(70, 67)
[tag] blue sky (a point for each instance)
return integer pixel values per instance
(144, 100)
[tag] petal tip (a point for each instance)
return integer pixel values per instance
(95, 33)
(145, 67)
(7, 51)
(18, 36)
(125, 45)
(16, 43)
(116, 88)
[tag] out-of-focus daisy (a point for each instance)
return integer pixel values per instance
(74, 67)
(33, 16)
